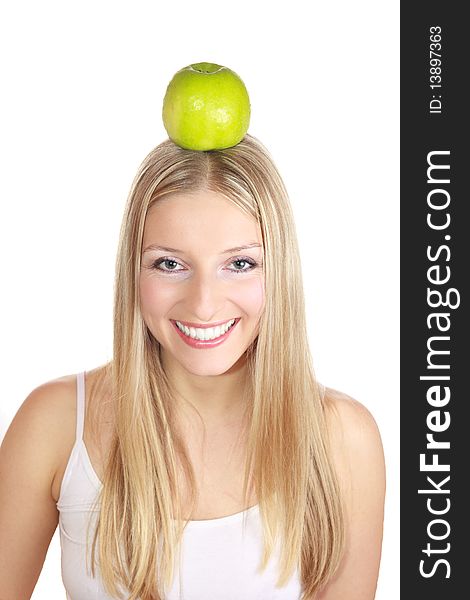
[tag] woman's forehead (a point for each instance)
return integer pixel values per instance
(208, 215)
(202, 201)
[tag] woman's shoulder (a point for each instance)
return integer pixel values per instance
(48, 403)
(46, 419)
(357, 453)
(58, 396)
(54, 402)
(34, 440)
(354, 438)
(347, 417)
(50, 410)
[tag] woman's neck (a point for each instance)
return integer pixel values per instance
(219, 399)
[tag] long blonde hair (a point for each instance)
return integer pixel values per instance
(288, 460)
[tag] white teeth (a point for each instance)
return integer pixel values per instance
(209, 333)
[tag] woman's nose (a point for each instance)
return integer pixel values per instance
(205, 297)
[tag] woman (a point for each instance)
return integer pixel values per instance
(201, 468)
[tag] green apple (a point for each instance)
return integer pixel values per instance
(206, 107)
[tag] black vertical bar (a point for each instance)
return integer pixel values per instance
(435, 259)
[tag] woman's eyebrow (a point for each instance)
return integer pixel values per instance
(229, 250)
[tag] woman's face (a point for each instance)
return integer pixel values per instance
(202, 270)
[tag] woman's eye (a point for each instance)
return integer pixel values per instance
(168, 262)
(244, 264)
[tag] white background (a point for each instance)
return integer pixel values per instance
(83, 84)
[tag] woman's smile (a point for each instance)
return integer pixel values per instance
(207, 337)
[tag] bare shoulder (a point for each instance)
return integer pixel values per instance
(357, 453)
(351, 426)
(346, 410)
(55, 401)
(355, 441)
(44, 419)
(51, 393)
(29, 455)
(47, 406)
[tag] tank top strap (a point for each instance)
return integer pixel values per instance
(80, 405)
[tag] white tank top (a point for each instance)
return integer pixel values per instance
(219, 557)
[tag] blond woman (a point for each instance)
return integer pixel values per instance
(205, 461)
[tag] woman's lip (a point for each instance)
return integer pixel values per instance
(201, 326)
(195, 343)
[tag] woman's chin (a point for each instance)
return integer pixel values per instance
(214, 369)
